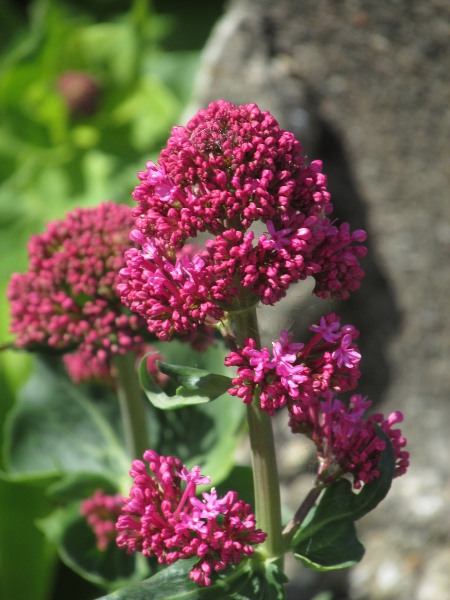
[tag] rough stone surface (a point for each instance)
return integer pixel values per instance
(365, 85)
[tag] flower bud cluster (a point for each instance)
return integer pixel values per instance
(297, 372)
(160, 519)
(305, 378)
(228, 168)
(346, 441)
(67, 300)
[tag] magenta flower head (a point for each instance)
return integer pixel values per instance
(163, 520)
(228, 168)
(101, 511)
(347, 442)
(297, 372)
(67, 299)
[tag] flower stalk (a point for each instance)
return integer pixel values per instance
(131, 405)
(265, 470)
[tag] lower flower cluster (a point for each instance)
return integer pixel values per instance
(159, 519)
(346, 442)
(305, 377)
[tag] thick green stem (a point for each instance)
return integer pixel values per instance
(132, 405)
(265, 471)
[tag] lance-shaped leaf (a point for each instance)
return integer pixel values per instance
(190, 385)
(328, 540)
(334, 546)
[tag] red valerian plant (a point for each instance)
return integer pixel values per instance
(91, 291)
(228, 168)
(67, 301)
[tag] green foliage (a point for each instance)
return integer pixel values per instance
(190, 385)
(52, 159)
(249, 580)
(26, 556)
(75, 541)
(56, 429)
(327, 539)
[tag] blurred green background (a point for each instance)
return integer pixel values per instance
(89, 90)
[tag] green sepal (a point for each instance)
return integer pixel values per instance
(190, 385)
(249, 580)
(327, 539)
(75, 541)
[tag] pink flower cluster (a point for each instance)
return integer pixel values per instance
(67, 299)
(297, 372)
(159, 519)
(345, 441)
(305, 378)
(229, 167)
(101, 511)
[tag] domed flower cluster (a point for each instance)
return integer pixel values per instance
(160, 519)
(305, 378)
(101, 511)
(228, 168)
(67, 300)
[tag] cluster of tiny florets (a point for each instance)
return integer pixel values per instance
(67, 299)
(162, 520)
(305, 377)
(228, 168)
(346, 441)
(101, 511)
(294, 371)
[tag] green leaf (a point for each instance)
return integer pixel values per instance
(80, 486)
(327, 540)
(239, 480)
(75, 541)
(55, 428)
(206, 435)
(333, 547)
(27, 558)
(192, 385)
(250, 580)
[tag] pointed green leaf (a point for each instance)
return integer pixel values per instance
(338, 501)
(333, 547)
(192, 385)
(327, 540)
(75, 541)
(55, 428)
